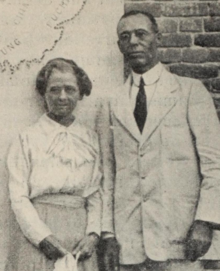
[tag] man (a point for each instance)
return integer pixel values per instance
(160, 146)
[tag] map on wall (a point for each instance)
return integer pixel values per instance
(30, 28)
(32, 32)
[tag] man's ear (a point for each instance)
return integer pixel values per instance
(158, 38)
(119, 46)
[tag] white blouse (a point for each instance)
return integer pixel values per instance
(49, 158)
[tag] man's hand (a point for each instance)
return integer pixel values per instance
(51, 247)
(86, 246)
(110, 254)
(198, 240)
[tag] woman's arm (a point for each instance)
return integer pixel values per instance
(19, 167)
(105, 136)
(92, 193)
(88, 244)
(94, 211)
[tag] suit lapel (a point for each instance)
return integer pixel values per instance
(164, 99)
(123, 111)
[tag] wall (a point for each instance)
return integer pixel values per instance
(190, 44)
(189, 47)
(90, 40)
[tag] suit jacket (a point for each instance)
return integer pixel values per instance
(156, 184)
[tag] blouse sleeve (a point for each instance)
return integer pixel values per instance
(94, 208)
(93, 197)
(19, 168)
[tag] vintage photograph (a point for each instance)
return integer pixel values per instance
(110, 135)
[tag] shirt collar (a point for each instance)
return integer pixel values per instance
(50, 126)
(150, 77)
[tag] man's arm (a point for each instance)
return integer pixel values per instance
(205, 128)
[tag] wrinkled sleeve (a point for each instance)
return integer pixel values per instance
(103, 128)
(205, 127)
(92, 193)
(94, 207)
(19, 167)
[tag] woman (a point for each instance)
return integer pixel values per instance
(54, 177)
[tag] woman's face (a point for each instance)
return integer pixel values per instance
(62, 93)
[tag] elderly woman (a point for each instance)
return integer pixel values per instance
(54, 177)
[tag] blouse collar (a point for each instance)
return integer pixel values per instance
(50, 126)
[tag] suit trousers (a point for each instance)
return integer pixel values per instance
(172, 265)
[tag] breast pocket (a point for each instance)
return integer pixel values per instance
(176, 140)
(175, 120)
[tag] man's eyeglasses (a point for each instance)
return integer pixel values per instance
(139, 33)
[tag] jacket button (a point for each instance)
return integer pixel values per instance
(148, 147)
(145, 198)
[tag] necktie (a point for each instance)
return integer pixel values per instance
(140, 111)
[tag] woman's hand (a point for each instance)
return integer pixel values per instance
(86, 246)
(51, 247)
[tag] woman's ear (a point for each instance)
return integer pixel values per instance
(42, 101)
(45, 104)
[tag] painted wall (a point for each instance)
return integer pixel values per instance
(90, 40)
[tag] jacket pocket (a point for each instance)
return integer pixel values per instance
(177, 143)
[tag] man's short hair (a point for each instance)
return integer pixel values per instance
(145, 13)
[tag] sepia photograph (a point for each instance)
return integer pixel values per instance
(110, 135)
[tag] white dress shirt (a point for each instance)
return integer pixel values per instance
(150, 78)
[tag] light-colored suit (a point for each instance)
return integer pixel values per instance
(156, 184)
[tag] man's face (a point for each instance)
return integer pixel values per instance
(138, 42)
